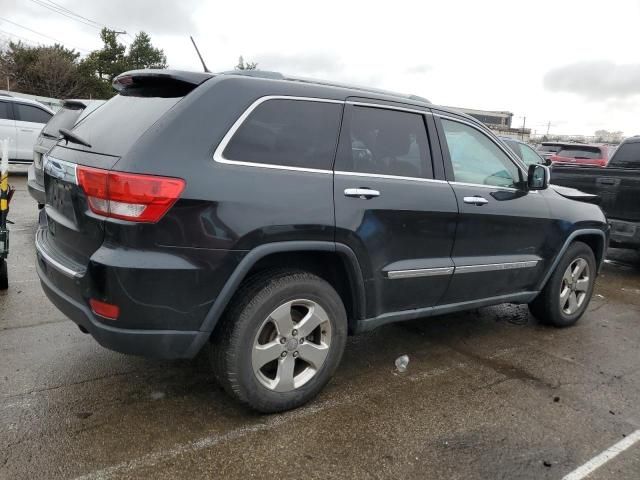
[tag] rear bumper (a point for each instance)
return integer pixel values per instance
(624, 234)
(36, 190)
(149, 343)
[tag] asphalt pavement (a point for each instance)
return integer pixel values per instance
(488, 394)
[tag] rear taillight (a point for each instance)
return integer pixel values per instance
(128, 196)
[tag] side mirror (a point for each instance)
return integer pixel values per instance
(539, 177)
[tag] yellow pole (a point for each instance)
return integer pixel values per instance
(4, 180)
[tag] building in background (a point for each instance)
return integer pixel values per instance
(498, 121)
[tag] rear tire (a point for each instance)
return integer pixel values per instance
(280, 340)
(4, 274)
(566, 296)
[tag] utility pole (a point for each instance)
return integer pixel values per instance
(524, 122)
(548, 127)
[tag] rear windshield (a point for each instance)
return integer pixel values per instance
(580, 152)
(549, 148)
(114, 127)
(64, 118)
(626, 156)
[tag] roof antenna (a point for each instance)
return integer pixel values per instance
(199, 56)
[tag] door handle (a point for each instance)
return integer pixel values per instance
(476, 200)
(364, 193)
(27, 130)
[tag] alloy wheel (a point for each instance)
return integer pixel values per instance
(575, 286)
(291, 345)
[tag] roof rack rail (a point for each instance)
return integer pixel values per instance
(279, 76)
(255, 73)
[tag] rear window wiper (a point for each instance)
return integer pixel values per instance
(48, 135)
(69, 136)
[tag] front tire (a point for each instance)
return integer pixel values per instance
(4, 274)
(566, 295)
(280, 340)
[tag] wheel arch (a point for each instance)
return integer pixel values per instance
(596, 239)
(335, 262)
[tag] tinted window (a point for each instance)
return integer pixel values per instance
(580, 152)
(477, 159)
(5, 111)
(549, 148)
(64, 118)
(28, 113)
(115, 126)
(626, 156)
(386, 142)
(292, 133)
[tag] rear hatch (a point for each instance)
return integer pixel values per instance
(73, 231)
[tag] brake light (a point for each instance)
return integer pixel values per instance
(106, 310)
(128, 196)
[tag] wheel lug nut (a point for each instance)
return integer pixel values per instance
(283, 354)
(295, 354)
(283, 340)
(302, 340)
(294, 332)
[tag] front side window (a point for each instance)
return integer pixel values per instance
(292, 133)
(28, 113)
(477, 159)
(386, 142)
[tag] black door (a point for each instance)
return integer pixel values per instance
(502, 226)
(396, 217)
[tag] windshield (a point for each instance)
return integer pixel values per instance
(64, 118)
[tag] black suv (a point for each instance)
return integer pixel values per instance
(268, 217)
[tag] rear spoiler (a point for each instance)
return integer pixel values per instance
(158, 83)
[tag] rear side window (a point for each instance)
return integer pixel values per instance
(385, 142)
(64, 118)
(291, 133)
(580, 152)
(28, 113)
(5, 111)
(626, 156)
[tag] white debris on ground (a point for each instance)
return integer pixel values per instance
(401, 363)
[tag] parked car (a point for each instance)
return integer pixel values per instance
(618, 186)
(524, 152)
(268, 217)
(546, 149)
(71, 112)
(21, 121)
(581, 154)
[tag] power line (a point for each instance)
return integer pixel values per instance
(19, 37)
(63, 10)
(41, 34)
(75, 17)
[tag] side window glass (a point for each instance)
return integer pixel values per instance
(5, 110)
(27, 113)
(386, 142)
(529, 156)
(293, 133)
(626, 156)
(477, 159)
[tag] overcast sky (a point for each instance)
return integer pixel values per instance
(573, 63)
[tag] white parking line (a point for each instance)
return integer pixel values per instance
(599, 460)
